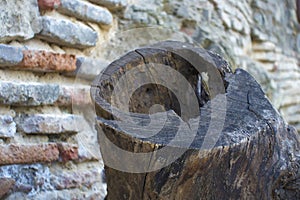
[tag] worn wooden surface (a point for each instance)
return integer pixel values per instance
(255, 156)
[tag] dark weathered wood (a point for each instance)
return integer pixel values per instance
(255, 156)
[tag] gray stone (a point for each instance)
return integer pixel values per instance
(261, 76)
(237, 25)
(290, 110)
(49, 124)
(66, 33)
(29, 179)
(270, 57)
(226, 19)
(298, 43)
(7, 126)
(19, 19)
(10, 56)
(28, 94)
(88, 68)
(264, 46)
(111, 4)
(264, 5)
(85, 11)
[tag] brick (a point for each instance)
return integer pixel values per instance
(7, 126)
(88, 68)
(6, 184)
(66, 33)
(28, 94)
(30, 153)
(48, 4)
(47, 61)
(19, 19)
(111, 4)
(10, 56)
(49, 124)
(67, 151)
(86, 11)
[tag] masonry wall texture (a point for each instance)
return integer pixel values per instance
(51, 50)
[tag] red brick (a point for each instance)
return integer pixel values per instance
(68, 151)
(47, 61)
(48, 4)
(26, 154)
(6, 184)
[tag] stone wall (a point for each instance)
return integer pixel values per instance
(51, 50)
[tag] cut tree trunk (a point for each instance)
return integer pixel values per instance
(231, 144)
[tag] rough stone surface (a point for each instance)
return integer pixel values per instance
(68, 151)
(19, 19)
(86, 11)
(37, 94)
(76, 179)
(6, 184)
(7, 126)
(66, 33)
(29, 179)
(10, 56)
(28, 94)
(48, 4)
(88, 68)
(50, 124)
(38, 181)
(30, 153)
(79, 96)
(111, 4)
(47, 61)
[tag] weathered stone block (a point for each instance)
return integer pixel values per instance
(29, 179)
(85, 11)
(36, 94)
(19, 19)
(111, 4)
(6, 184)
(68, 151)
(10, 56)
(48, 4)
(76, 179)
(30, 153)
(37, 181)
(88, 68)
(66, 33)
(28, 94)
(74, 95)
(48, 61)
(7, 126)
(49, 124)
(264, 46)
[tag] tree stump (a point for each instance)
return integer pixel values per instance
(174, 122)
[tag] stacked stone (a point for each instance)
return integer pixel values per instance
(46, 150)
(257, 35)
